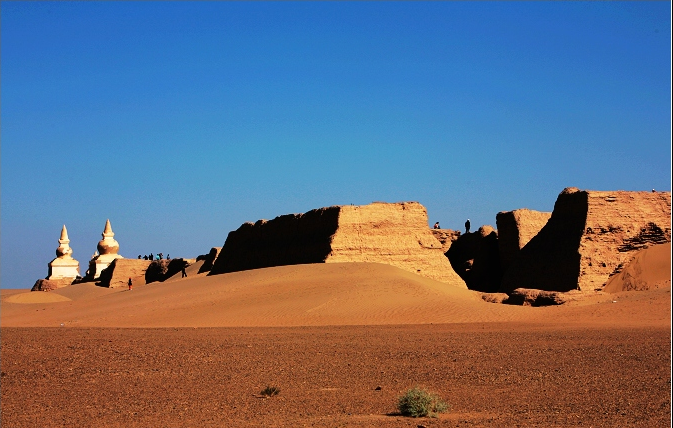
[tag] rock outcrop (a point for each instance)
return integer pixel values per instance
(391, 233)
(590, 236)
(474, 257)
(515, 229)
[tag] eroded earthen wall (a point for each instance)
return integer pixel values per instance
(446, 237)
(394, 234)
(618, 225)
(588, 238)
(515, 229)
(209, 259)
(474, 257)
(117, 274)
(286, 240)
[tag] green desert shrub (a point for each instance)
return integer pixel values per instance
(270, 391)
(418, 402)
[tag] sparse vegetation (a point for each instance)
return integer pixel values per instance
(418, 402)
(270, 391)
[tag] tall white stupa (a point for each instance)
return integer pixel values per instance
(63, 266)
(107, 252)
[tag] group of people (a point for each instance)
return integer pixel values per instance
(159, 256)
(467, 226)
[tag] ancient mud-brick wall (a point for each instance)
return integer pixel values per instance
(446, 237)
(161, 270)
(395, 234)
(474, 257)
(286, 240)
(209, 259)
(515, 229)
(51, 284)
(120, 270)
(590, 236)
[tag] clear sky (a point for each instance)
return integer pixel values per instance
(179, 121)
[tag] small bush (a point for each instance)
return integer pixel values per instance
(418, 402)
(270, 391)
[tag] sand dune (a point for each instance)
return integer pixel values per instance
(307, 295)
(38, 297)
(650, 268)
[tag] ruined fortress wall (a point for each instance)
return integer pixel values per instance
(588, 238)
(286, 240)
(120, 270)
(515, 229)
(446, 237)
(209, 259)
(619, 224)
(474, 257)
(394, 234)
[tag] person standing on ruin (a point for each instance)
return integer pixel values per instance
(184, 273)
(467, 226)
(436, 226)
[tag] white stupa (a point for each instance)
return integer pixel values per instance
(63, 266)
(107, 252)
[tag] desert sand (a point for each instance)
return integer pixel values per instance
(196, 351)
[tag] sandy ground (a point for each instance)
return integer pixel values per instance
(197, 351)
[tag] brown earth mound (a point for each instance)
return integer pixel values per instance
(51, 284)
(650, 268)
(395, 234)
(515, 229)
(589, 237)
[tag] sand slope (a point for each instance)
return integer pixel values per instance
(318, 294)
(650, 268)
(311, 295)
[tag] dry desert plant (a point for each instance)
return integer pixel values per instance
(270, 391)
(418, 402)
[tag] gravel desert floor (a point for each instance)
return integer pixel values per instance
(604, 362)
(513, 376)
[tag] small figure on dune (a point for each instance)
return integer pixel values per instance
(467, 226)
(130, 284)
(184, 273)
(436, 226)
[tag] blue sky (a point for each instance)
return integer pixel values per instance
(179, 121)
